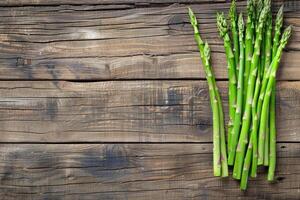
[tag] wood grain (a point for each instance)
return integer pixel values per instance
(117, 41)
(133, 171)
(123, 111)
(136, 3)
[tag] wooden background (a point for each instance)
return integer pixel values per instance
(103, 99)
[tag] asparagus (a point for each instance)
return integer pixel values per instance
(205, 57)
(277, 30)
(258, 105)
(272, 156)
(278, 25)
(267, 60)
(253, 137)
(223, 30)
(248, 45)
(259, 5)
(271, 82)
(243, 140)
(268, 44)
(272, 117)
(238, 114)
(234, 32)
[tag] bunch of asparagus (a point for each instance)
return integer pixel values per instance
(253, 55)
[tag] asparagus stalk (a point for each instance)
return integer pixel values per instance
(243, 140)
(234, 32)
(277, 30)
(278, 25)
(267, 61)
(268, 44)
(205, 57)
(247, 162)
(253, 137)
(258, 105)
(239, 106)
(272, 156)
(271, 82)
(272, 117)
(223, 30)
(263, 53)
(249, 37)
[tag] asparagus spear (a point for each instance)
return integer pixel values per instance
(243, 140)
(271, 82)
(253, 137)
(268, 44)
(248, 45)
(238, 114)
(223, 30)
(205, 57)
(272, 117)
(272, 156)
(234, 32)
(259, 5)
(258, 103)
(278, 25)
(277, 30)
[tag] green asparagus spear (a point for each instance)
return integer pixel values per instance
(272, 156)
(234, 32)
(249, 153)
(272, 117)
(268, 44)
(205, 57)
(223, 30)
(258, 103)
(278, 25)
(277, 30)
(243, 140)
(239, 106)
(259, 5)
(249, 37)
(271, 82)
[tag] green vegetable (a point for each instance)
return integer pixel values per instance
(223, 30)
(266, 101)
(220, 155)
(253, 58)
(235, 34)
(272, 117)
(249, 37)
(243, 140)
(277, 29)
(239, 106)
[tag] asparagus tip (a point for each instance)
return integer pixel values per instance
(241, 25)
(267, 2)
(193, 19)
(232, 10)
(264, 14)
(279, 18)
(286, 35)
(222, 24)
(206, 51)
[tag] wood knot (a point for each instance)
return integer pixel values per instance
(176, 22)
(23, 62)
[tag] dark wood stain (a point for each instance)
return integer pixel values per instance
(131, 171)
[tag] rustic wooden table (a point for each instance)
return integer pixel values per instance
(104, 99)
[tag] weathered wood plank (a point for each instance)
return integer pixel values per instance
(94, 42)
(114, 2)
(101, 2)
(123, 111)
(133, 171)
